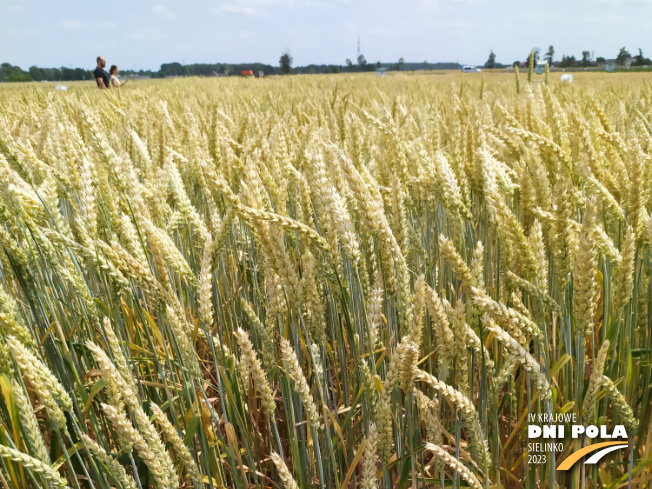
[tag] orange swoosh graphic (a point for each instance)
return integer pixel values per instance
(571, 459)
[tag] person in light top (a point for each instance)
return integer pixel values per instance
(114, 81)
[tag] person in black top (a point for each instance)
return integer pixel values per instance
(101, 76)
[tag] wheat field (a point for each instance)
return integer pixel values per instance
(323, 281)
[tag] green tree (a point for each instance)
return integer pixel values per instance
(623, 54)
(286, 63)
(13, 73)
(550, 55)
(37, 73)
(172, 69)
(362, 62)
(568, 61)
(586, 58)
(491, 61)
(640, 60)
(401, 62)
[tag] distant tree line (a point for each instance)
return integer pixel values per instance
(285, 67)
(9, 73)
(15, 73)
(570, 61)
(211, 69)
(59, 74)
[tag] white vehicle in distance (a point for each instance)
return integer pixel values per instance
(470, 69)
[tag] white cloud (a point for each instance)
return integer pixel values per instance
(71, 25)
(624, 2)
(610, 19)
(149, 34)
(246, 34)
(164, 12)
(105, 25)
(266, 8)
(237, 9)
(74, 25)
(428, 4)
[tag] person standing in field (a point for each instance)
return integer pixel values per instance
(114, 81)
(101, 76)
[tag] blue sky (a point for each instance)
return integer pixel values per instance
(144, 33)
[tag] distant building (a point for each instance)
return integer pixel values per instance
(612, 61)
